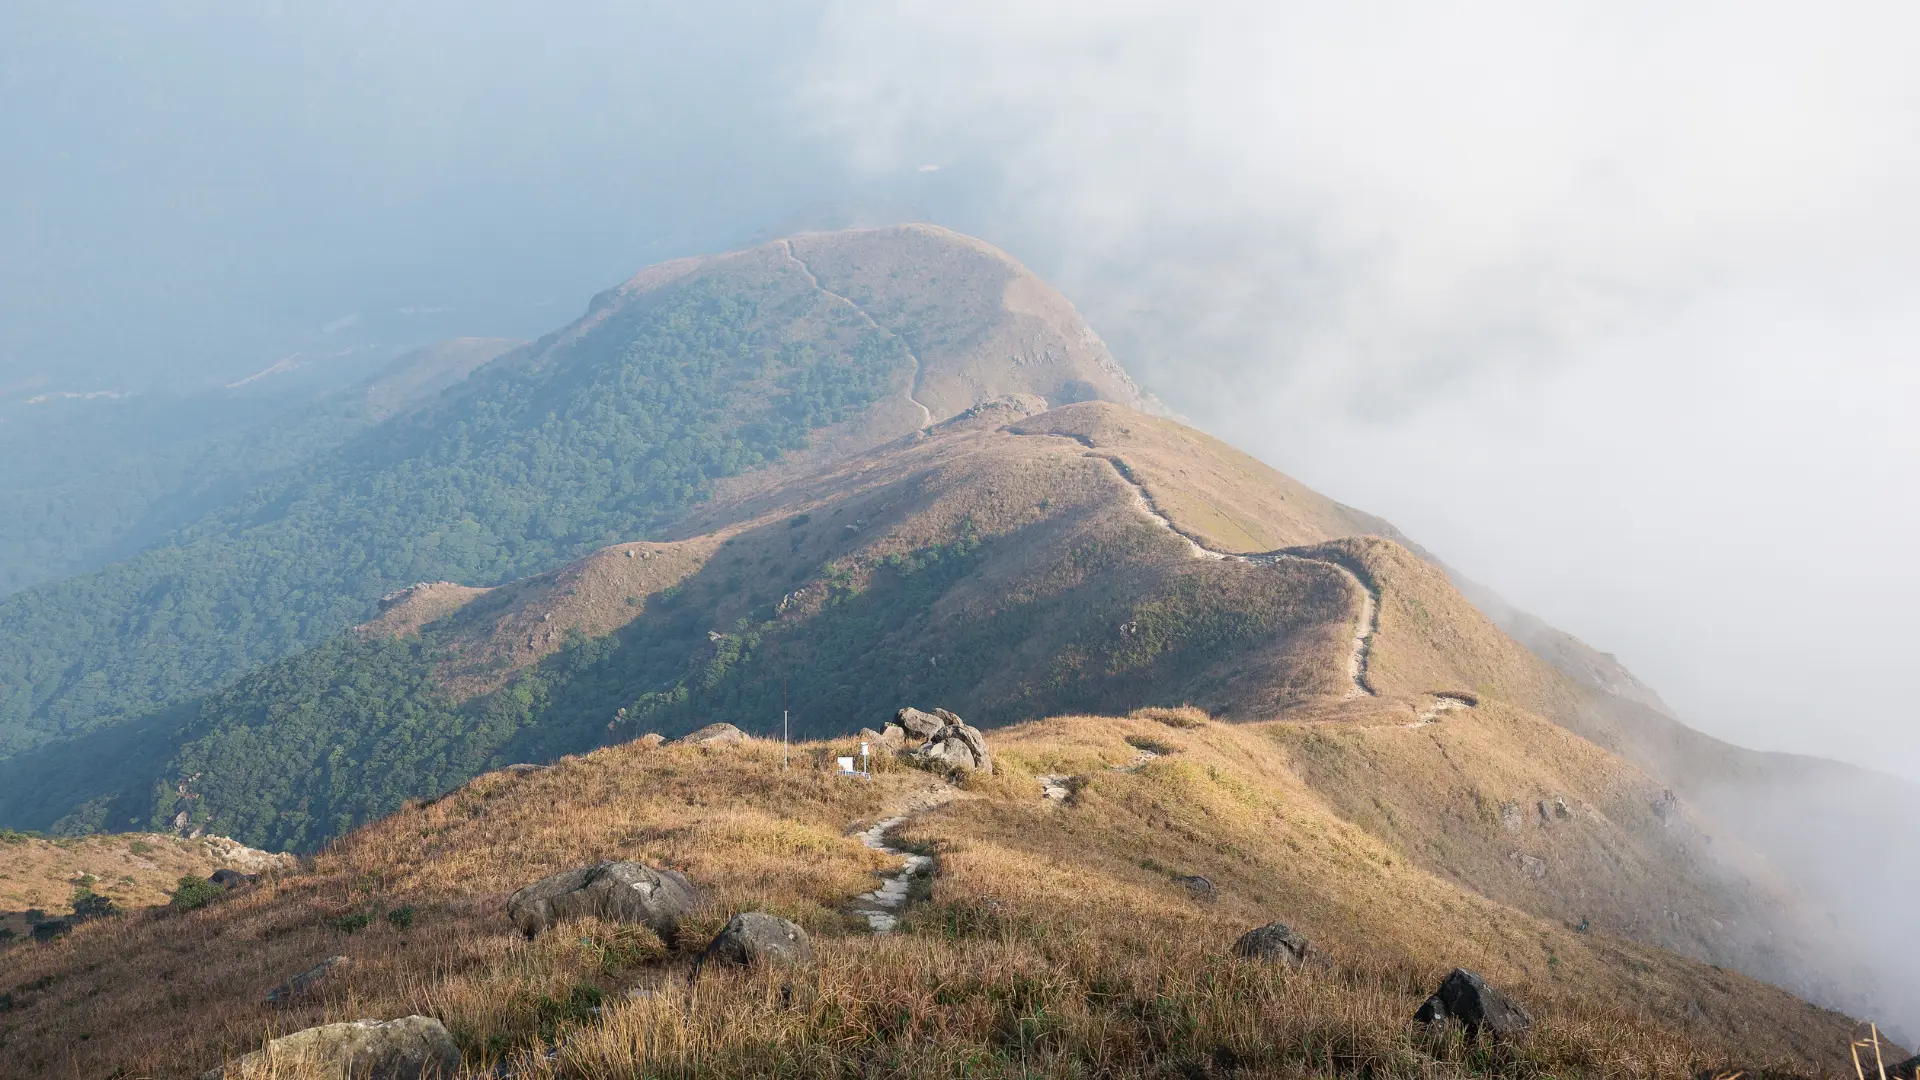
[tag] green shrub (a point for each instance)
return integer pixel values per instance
(348, 924)
(401, 917)
(193, 892)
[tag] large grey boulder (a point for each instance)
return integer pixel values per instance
(918, 725)
(410, 1048)
(755, 937)
(617, 891)
(1275, 942)
(1465, 998)
(1904, 1070)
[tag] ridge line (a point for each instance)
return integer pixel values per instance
(1369, 622)
(913, 387)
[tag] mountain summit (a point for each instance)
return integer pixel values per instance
(693, 374)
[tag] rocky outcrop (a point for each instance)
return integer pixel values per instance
(616, 891)
(1465, 998)
(755, 937)
(1275, 943)
(713, 735)
(410, 1048)
(940, 738)
(248, 860)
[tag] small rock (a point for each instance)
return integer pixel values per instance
(523, 769)
(410, 1048)
(304, 981)
(1200, 887)
(1530, 866)
(228, 878)
(616, 891)
(1465, 998)
(1055, 786)
(1275, 942)
(1510, 816)
(651, 739)
(754, 937)
(713, 735)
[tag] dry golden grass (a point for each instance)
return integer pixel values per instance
(1216, 494)
(134, 870)
(1053, 941)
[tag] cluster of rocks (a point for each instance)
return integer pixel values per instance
(657, 899)
(939, 739)
(420, 1048)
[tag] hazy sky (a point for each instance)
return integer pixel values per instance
(1612, 305)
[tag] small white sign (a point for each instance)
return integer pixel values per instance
(846, 764)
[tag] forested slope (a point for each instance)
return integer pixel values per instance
(52, 526)
(606, 431)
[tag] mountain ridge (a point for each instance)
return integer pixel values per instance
(1044, 547)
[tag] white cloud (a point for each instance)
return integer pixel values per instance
(1607, 301)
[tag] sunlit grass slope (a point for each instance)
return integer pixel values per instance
(1053, 941)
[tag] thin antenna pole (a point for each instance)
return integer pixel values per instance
(783, 723)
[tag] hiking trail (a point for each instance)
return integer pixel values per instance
(1369, 620)
(882, 906)
(913, 388)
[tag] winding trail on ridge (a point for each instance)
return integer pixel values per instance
(913, 388)
(882, 906)
(1369, 621)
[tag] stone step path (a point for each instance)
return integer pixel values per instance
(882, 905)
